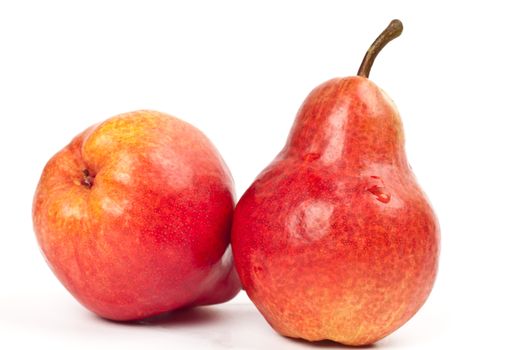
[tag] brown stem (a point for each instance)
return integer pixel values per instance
(394, 29)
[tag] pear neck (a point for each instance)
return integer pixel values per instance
(348, 121)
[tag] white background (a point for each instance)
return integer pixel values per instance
(239, 71)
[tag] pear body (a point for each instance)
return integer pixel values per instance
(335, 239)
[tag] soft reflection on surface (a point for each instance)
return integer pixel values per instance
(123, 168)
(335, 135)
(309, 221)
(112, 206)
(172, 163)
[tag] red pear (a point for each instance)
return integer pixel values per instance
(335, 239)
(134, 217)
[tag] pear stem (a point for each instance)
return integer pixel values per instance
(394, 29)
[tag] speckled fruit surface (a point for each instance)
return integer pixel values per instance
(335, 239)
(134, 217)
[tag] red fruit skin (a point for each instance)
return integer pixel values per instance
(152, 233)
(335, 239)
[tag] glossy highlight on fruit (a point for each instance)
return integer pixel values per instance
(335, 239)
(134, 217)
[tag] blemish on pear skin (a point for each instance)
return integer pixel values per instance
(380, 193)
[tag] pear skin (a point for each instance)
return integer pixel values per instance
(335, 238)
